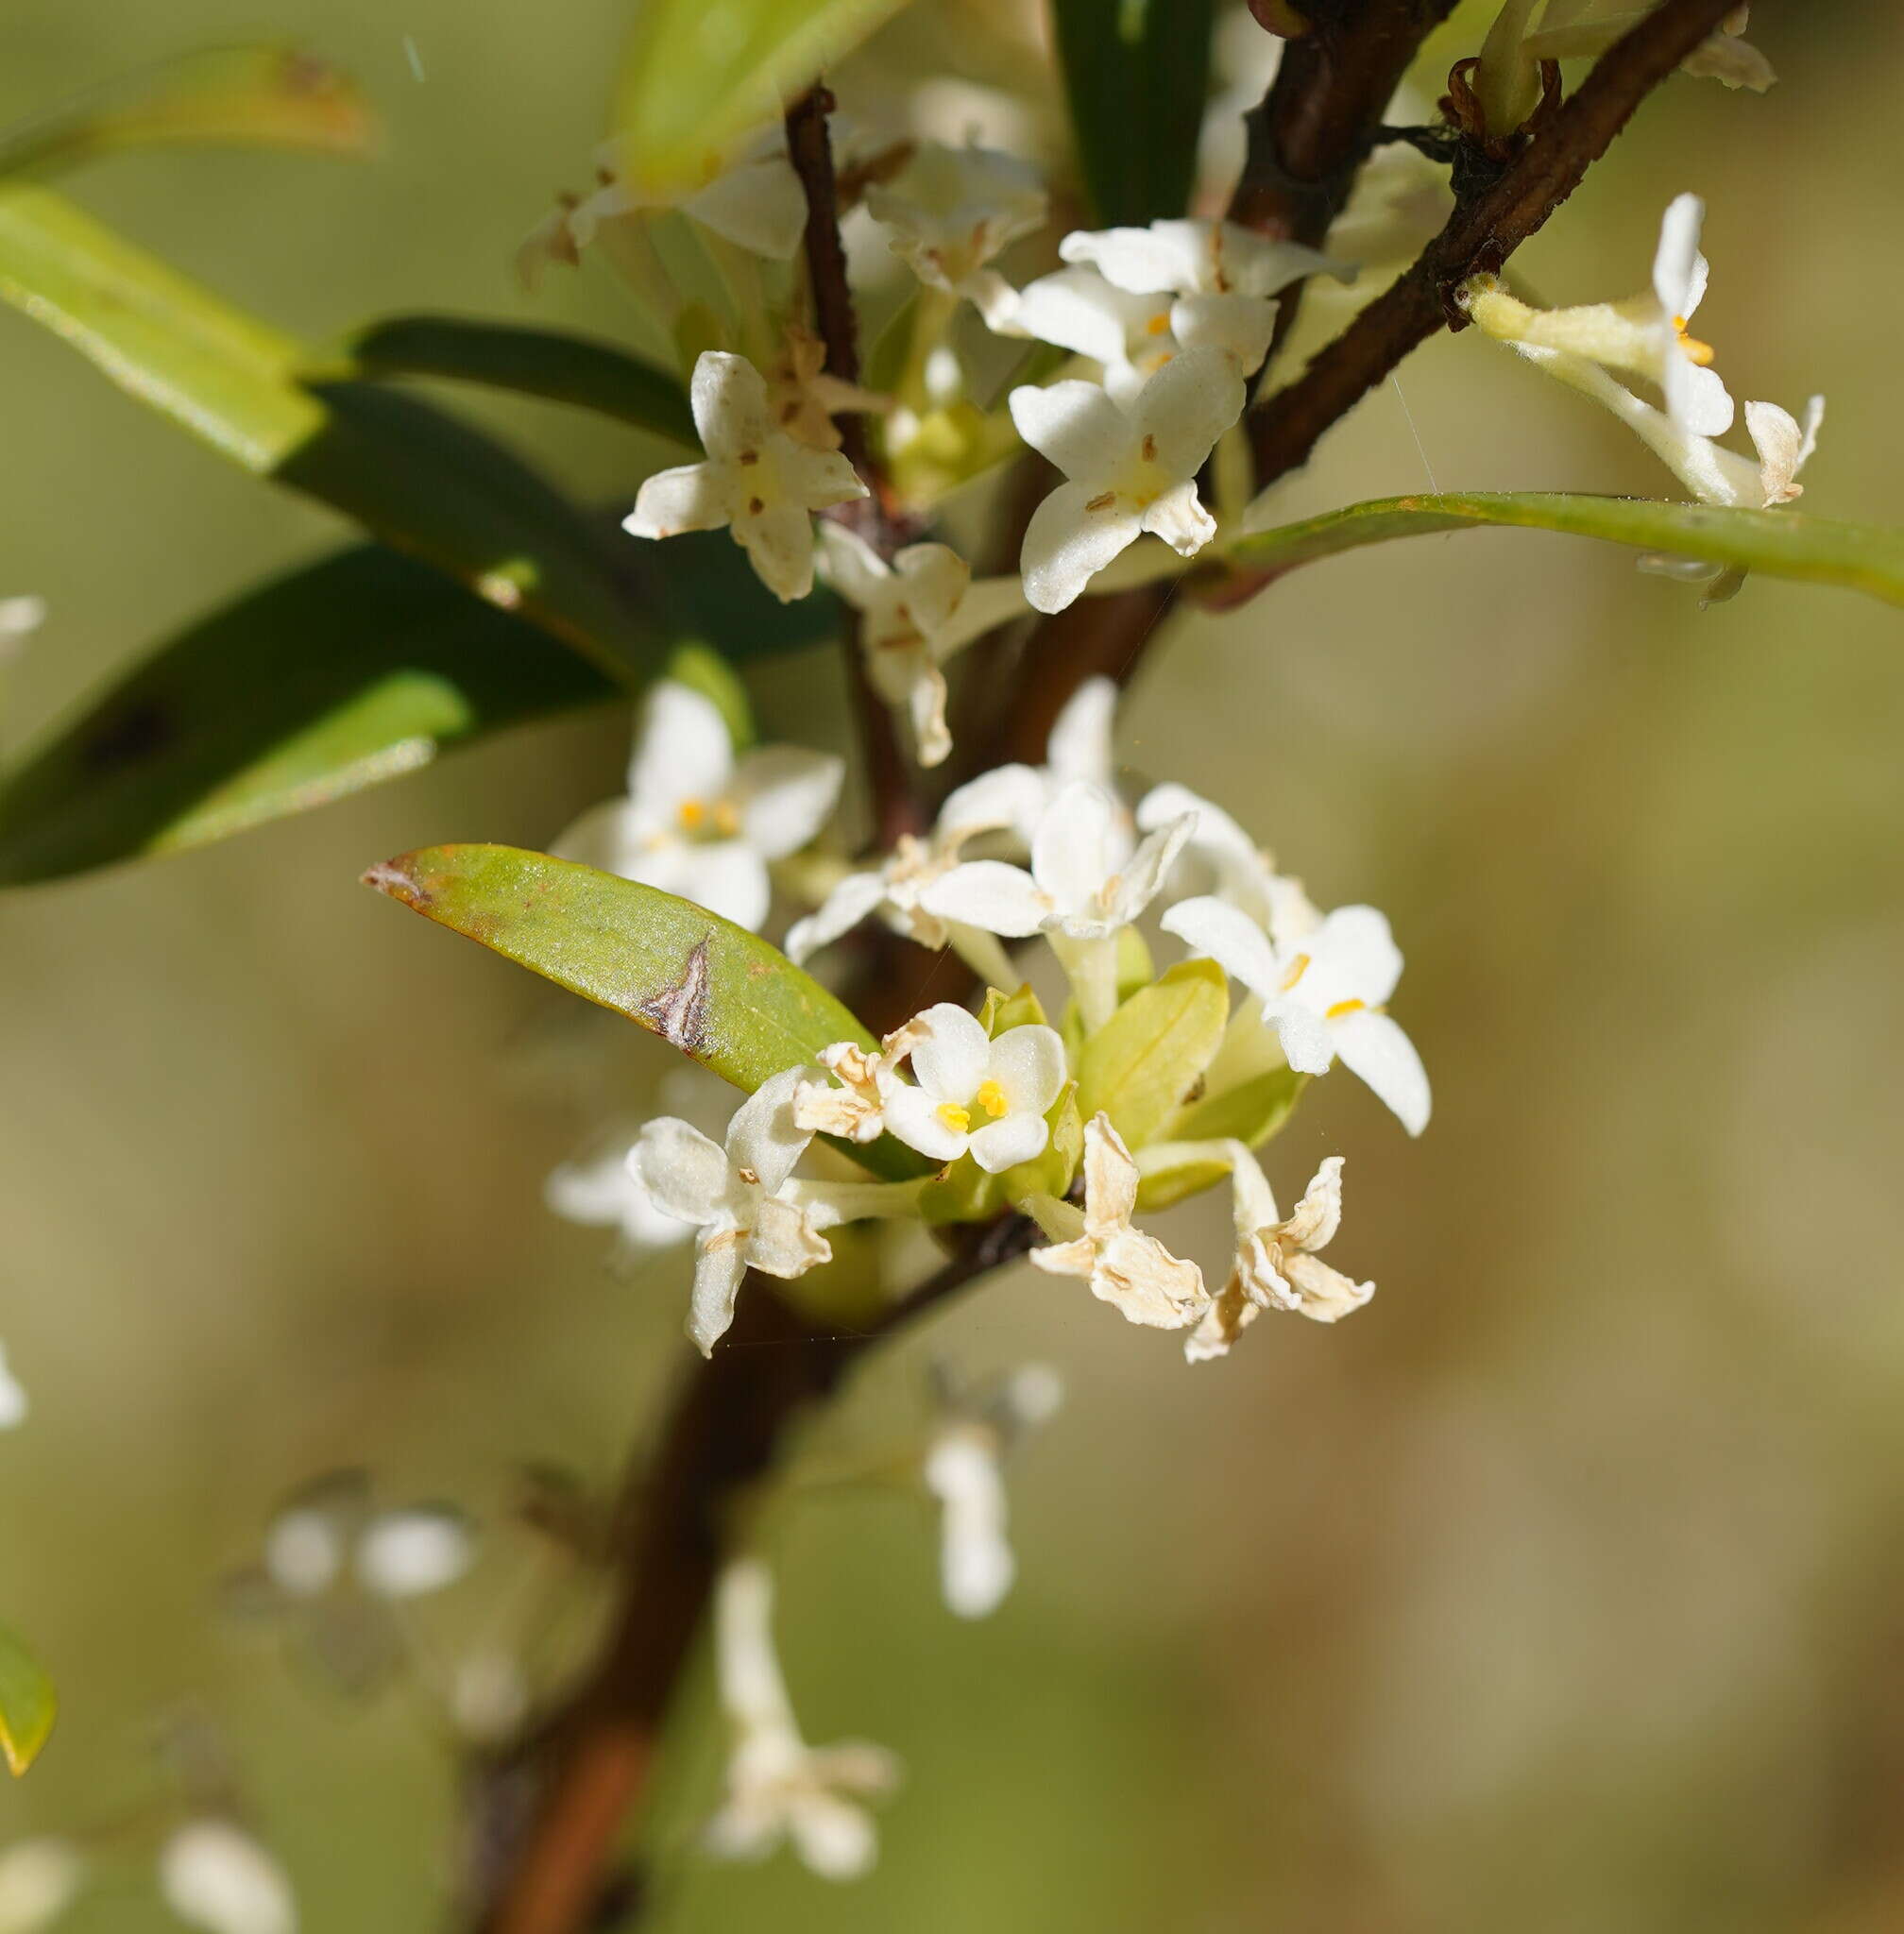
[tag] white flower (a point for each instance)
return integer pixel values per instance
(696, 821)
(738, 1199)
(1125, 1267)
(1722, 55)
(489, 1695)
(1006, 798)
(853, 1105)
(778, 1785)
(38, 1880)
(410, 1552)
(20, 617)
(1079, 746)
(604, 1191)
(951, 210)
(1085, 883)
(219, 1878)
(1324, 993)
(757, 478)
(1129, 335)
(1277, 1267)
(1645, 336)
(915, 613)
(963, 1469)
(1221, 273)
(972, 1093)
(1130, 470)
(13, 1401)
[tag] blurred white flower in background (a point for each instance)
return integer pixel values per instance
(38, 1880)
(217, 1876)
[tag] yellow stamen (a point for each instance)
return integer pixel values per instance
(1297, 968)
(956, 1118)
(1158, 325)
(693, 811)
(1695, 351)
(726, 819)
(990, 1098)
(1341, 1008)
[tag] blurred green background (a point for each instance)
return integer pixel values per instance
(1559, 1590)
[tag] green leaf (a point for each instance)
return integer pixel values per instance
(415, 477)
(1250, 1113)
(561, 369)
(698, 72)
(269, 96)
(1141, 1064)
(1002, 1012)
(1163, 1187)
(1137, 75)
(27, 1704)
(719, 993)
(1780, 543)
(332, 678)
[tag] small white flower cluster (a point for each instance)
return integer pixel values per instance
(1589, 348)
(211, 1874)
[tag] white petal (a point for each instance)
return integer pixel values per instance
(1240, 326)
(1076, 425)
(38, 1880)
(843, 908)
(1077, 847)
(913, 1115)
(852, 567)
(409, 1554)
(816, 478)
(1325, 1295)
(1229, 936)
(752, 1694)
(779, 545)
(1143, 877)
(684, 750)
(685, 1173)
(835, 1839)
(925, 700)
(691, 496)
(1007, 796)
(1028, 1064)
(1166, 255)
(1066, 545)
(784, 1241)
(1697, 400)
(729, 398)
(987, 894)
(1080, 745)
(934, 579)
(976, 1563)
(1679, 268)
(1078, 310)
(611, 836)
(222, 1880)
(1259, 265)
(303, 1551)
(1188, 405)
(758, 207)
(1215, 833)
(1308, 1041)
(719, 1267)
(1004, 1143)
(950, 1052)
(1179, 518)
(726, 876)
(786, 795)
(1375, 1048)
(763, 1136)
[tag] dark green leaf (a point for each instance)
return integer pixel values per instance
(415, 477)
(698, 73)
(349, 671)
(1780, 543)
(532, 362)
(229, 96)
(1137, 73)
(27, 1704)
(719, 993)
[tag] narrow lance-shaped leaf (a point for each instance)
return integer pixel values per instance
(698, 72)
(550, 364)
(270, 96)
(724, 996)
(1778, 543)
(27, 1704)
(1136, 73)
(414, 476)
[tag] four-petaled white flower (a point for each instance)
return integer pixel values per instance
(779, 1787)
(1129, 469)
(950, 210)
(914, 614)
(1132, 1271)
(1129, 334)
(1006, 798)
(1323, 993)
(972, 1093)
(757, 478)
(1086, 882)
(1221, 274)
(1277, 1266)
(217, 1876)
(963, 1470)
(696, 821)
(738, 1197)
(1644, 336)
